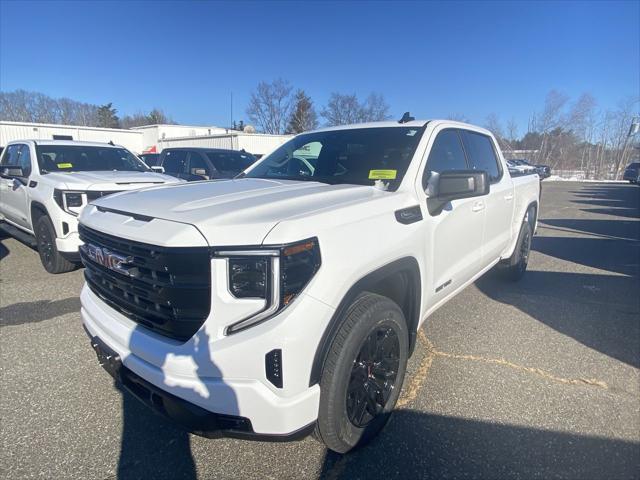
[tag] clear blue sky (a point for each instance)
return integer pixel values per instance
(433, 59)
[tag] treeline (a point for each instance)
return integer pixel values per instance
(25, 106)
(274, 107)
(569, 135)
(575, 136)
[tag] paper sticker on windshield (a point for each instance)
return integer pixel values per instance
(382, 174)
(65, 165)
(411, 133)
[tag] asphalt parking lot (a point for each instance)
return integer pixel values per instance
(539, 379)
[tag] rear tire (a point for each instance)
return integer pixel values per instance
(52, 260)
(515, 267)
(363, 373)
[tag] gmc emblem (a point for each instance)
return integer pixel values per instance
(107, 258)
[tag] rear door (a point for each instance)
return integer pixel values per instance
(454, 237)
(15, 202)
(482, 155)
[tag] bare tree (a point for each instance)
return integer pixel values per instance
(344, 109)
(303, 115)
(374, 108)
(270, 106)
(512, 129)
(24, 106)
(154, 117)
(458, 117)
(492, 123)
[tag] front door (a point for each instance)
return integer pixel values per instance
(14, 202)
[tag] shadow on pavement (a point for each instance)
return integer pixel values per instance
(38, 311)
(151, 446)
(599, 311)
(612, 229)
(419, 445)
(155, 447)
(607, 254)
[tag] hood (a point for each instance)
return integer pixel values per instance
(236, 212)
(108, 180)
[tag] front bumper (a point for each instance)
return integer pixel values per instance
(66, 227)
(191, 417)
(222, 376)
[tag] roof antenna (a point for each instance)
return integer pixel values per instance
(406, 118)
(111, 143)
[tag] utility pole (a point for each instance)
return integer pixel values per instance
(231, 123)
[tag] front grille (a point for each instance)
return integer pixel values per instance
(169, 290)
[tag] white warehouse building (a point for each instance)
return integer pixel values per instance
(149, 138)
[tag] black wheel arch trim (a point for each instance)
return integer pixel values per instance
(408, 265)
(35, 205)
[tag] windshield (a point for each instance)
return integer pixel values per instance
(79, 158)
(354, 156)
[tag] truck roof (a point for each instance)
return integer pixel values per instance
(66, 142)
(395, 123)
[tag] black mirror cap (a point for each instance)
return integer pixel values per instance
(457, 184)
(11, 172)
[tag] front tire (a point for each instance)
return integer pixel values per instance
(363, 373)
(52, 260)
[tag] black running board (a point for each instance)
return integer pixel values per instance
(21, 235)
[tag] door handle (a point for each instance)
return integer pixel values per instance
(509, 197)
(478, 206)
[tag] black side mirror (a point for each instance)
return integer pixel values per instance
(455, 184)
(11, 172)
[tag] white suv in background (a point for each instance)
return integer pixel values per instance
(289, 299)
(45, 184)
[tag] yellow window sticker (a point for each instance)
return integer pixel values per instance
(382, 174)
(65, 165)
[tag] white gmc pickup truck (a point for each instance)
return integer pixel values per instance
(287, 300)
(45, 184)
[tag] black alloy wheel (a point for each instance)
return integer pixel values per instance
(45, 245)
(362, 373)
(373, 376)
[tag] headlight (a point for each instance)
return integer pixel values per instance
(248, 277)
(70, 202)
(276, 274)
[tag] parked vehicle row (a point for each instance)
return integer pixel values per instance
(523, 167)
(46, 184)
(193, 164)
(287, 300)
(632, 173)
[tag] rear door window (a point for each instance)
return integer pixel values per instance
(482, 154)
(230, 164)
(446, 154)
